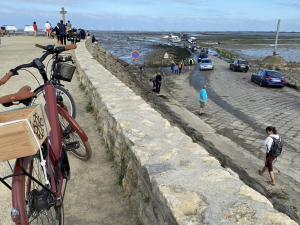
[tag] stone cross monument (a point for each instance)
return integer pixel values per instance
(63, 13)
(276, 40)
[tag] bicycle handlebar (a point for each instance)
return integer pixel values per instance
(41, 46)
(6, 77)
(50, 49)
(70, 47)
(57, 50)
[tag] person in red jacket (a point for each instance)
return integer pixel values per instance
(35, 28)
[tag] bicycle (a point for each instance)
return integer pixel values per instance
(61, 71)
(39, 182)
(56, 77)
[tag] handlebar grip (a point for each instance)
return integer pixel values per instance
(70, 47)
(41, 46)
(6, 77)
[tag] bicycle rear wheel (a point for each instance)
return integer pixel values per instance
(36, 204)
(74, 141)
(62, 95)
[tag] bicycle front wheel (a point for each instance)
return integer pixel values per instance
(35, 204)
(63, 97)
(74, 141)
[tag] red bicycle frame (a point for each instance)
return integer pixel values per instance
(55, 157)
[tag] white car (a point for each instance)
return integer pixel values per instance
(206, 64)
(11, 28)
(28, 28)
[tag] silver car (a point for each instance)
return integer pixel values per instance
(206, 64)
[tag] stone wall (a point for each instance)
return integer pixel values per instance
(169, 179)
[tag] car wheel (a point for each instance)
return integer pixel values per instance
(252, 79)
(261, 83)
(233, 69)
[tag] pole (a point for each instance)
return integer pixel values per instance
(276, 40)
(63, 13)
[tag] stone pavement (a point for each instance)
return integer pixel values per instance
(93, 196)
(241, 110)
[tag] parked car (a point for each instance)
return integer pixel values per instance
(201, 56)
(28, 29)
(206, 64)
(269, 78)
(11, 28)
(239, 65)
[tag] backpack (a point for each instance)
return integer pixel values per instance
(276, 148)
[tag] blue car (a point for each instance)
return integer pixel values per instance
(269, 78)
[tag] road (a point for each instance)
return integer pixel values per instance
(93, 195)
(241, 110)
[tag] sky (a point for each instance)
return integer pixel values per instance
(157, 15)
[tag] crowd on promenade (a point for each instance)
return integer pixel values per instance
(61, 31)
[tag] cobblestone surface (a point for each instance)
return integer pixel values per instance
(241, 110)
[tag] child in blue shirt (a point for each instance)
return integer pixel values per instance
(203, 99)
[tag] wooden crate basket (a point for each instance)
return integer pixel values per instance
(22, 132)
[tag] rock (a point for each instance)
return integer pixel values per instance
(188, 206)
(254, 195)
(241, 214)
(273, 218)
(274, 62)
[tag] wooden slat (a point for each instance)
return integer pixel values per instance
(16, 139)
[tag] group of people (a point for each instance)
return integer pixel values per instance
(60, 30)
(178, 68)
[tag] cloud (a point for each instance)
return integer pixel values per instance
(52, 2)
(290, 4)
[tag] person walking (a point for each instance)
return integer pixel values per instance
(35, 28)
(273, 145)
(176, 69)
(180, 66)
(157, 80)
(57, 34)
(63, 33)
(172, 66)
(68, 26)
(203, 99)
(48, 29)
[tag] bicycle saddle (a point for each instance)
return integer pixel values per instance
(24, 95)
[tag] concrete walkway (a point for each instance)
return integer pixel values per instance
(93, 195)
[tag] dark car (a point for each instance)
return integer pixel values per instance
(239, 65)
(269, 78)
(202, 56)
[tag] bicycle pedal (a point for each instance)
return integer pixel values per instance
(72, 145)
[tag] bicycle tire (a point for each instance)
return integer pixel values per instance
(24, 191)
(73, 110)
(72, 135)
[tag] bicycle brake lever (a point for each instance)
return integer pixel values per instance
(14, 72)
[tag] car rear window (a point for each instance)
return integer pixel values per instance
(273, 74)
(242, 62)
(206, 61)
